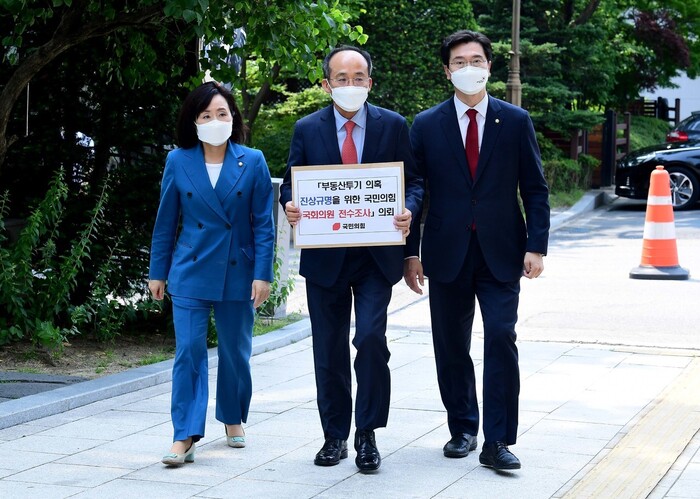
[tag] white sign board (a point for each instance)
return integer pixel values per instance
(348, 205)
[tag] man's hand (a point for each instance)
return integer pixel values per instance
(403, 222)
(293, 213)
(157, 289)
(413, 274)
(260, 292)
(533, 265)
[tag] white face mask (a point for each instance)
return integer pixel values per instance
(470, 80)
(349, 98)
(214, 132)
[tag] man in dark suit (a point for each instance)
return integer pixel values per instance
(351, 131)
(476, 154)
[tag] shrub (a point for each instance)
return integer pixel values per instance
(38, 277)
(279, 291)
(36, 280)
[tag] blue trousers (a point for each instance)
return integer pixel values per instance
(190, 393)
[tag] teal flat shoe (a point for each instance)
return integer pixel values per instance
(237, 442)
(174, 459)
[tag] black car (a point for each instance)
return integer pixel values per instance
(688, 129)
(680, 159)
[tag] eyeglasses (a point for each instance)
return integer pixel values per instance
(477, 62)
(358, 81)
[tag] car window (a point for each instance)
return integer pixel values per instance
(690, 123)
(694, 125)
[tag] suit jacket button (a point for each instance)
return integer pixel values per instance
(189, 194)
(200, 225)
(194, 258)
(233, 262)
(228, 226)
(239, 193)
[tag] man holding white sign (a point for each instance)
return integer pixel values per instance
(351, 132)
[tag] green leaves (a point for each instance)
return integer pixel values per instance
(36, 283)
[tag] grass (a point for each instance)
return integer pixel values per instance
(29, 370)
(108, 357)
(265, 325)
(156, 357)
(647, 131)
(565, 199)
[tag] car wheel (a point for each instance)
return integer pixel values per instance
(685, 188)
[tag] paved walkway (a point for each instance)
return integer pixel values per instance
(596, 421)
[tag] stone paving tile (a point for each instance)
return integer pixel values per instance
(486, 484)
(397, 481)
(658, 360)
(134, 419)
(20, 430)
(297, 468)
(50, 444)
(255, 489)
(300, 422)
(20, 460)
(546, 391)
(93, 426)
(26, 490)
(572, 445)
(685, 488)
(69, 475)
(132, 452)
(122, 488)
(158, 404)
(593, 407)
(576, 429)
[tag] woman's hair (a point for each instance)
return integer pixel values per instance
(196, 102)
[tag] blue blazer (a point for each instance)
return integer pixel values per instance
(509, 163)
(315, 142)
(211, 244)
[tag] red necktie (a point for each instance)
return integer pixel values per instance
(349, 152)
(472, 143)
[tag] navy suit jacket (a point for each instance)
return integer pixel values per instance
(226, 235)
(315, 142)
(509, 164)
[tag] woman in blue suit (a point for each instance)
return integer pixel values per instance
(213, 245)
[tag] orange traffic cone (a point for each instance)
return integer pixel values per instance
(659, 252)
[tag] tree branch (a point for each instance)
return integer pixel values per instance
(70, 32)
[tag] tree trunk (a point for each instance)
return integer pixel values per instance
(70, 32)
(587, 12)
(254, 109)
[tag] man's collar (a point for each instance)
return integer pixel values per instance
(360, 117)
(481, 107)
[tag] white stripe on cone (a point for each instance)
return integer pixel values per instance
(659, 200)
(656, 230)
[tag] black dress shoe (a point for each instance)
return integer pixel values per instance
(368, 458)
(459, 445)
(332, 452)
(497, 456)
